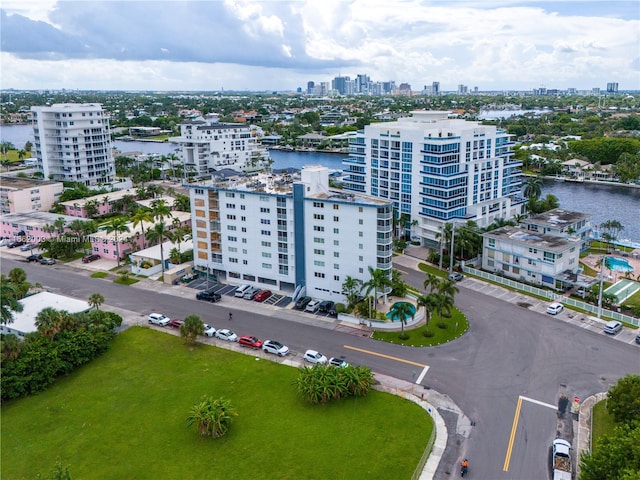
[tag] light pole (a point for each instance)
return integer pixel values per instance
(602, 260)
(453, 234)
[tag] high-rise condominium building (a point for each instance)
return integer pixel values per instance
(437, 170)
(208, 146)
(73, 143)
(291, 234)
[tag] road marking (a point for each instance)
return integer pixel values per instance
(424, 372)
(538, 402)
(385, 356)
(514, 427)
(401, 271)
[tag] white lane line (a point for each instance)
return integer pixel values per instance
(538, 402)
(424, 372)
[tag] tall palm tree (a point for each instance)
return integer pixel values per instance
(448, 288)
(430, 303)
(351, 287)
(9, 303)
(443, 304)
(401, 311)
(118, 225)
(431, 282)
(533, 187)
(379, 281)
(160, 210)
(50, 321)
(157, 234)
(60, 223)
(141, 216)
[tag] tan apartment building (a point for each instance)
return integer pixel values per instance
(27, 195)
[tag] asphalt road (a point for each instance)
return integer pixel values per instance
(509, 352)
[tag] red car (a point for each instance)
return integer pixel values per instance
(262, 295)
(175, 323)
(250, 341)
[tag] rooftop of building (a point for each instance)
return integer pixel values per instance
(24, 321)
(154, 252)
(557, 218)
(113, 196)
(68, 106)
(525, 237)
(282, 184)
(35, 218)
(138, 229)
(18, 183)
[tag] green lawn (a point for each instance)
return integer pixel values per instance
(125, 280)
(456, 326)
(434, 270)
(99, 274)
(124, 416)
(602, 422)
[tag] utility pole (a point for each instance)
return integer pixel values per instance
(453, 234)
(602, 260)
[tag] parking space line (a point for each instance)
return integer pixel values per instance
(386, 356)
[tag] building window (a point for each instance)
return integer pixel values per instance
(318, 263)
(231, 205)
(318, 228)
(265, 221)
(265, 232)
(336, 243)
(336, 230)
(336, 206)
(265, 244)
(318, 216)
(336, 266)
(336, 219)
(267, 266)
(266, 254)
(318, 204)
(264, 210)
(232, 239)
(318, 274)
(231, 227)
(318, 251)
(336, 254)
(231, 217)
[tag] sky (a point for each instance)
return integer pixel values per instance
(212, 45)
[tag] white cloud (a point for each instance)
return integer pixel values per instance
(251, 44)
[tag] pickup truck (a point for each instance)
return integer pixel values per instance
(561, 459)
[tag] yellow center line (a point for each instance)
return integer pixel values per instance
(385, 356)
(401, 271)
(514, 427)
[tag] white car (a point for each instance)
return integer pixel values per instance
(158, 319)
(554, 308)
(312, 306)
(209, 331)
(272, 346)
(338, 362)
(315, 358)
(226, 334)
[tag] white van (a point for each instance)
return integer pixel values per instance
(240, 291)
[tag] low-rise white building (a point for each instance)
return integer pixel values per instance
(25, 321)
(287, 233)
(531, 257)
(574, 226)
(27, 195)
(148, 262)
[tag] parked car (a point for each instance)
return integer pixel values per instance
(241, 290)
(158, 319)
(250, 341)
(27, 246)
(14, 244)
(5, 241)
(262, 295)
(250, 293)
(337, 362)
(312, 306)
(209, 296)
(302, 302)
(175, 323)
(555, 308)
(36, 257)
(226, 334)
(47, 261)
(272, 346)
(612, 327)
(209, 331)
(90, 258)
(638, 339)
(456, 276)
(326, 306)
(315, 358)
(333, 312)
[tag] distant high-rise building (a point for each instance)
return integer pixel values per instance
(310, 87)
(612, 87)
(435, 88)
(437, 170)
(343, 85)
(73, 143)
(463, 89)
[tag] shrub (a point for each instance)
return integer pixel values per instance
(340, 308)
(321, 383)
(428, 333)
(443, 325)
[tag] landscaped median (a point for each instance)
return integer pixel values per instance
(124, 416)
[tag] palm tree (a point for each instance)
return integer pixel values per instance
(91, 208)
(79, 228)
(533, 187)
(351, 288)
(379, 281)
(432, 282)
(141, 216)
(443, 304)
(11, 346)
(160, 209)
(157, 234)
(95, 300)
(191, 328)
(60, 223)
(49, 321)
(213, 417)
(401, 311)
(430, 303)
(448, 288)
(117, 225)
(9, 303)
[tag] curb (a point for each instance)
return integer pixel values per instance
(583, 438)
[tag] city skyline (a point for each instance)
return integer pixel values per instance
(257, 46)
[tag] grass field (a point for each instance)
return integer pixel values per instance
(124, 416)
(602, 422)
(456, 326)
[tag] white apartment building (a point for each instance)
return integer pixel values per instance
(574, 226)
(27, 195)
(437, 170)
(208, 146)
(73, 143)
(532, 257)
(290, 234)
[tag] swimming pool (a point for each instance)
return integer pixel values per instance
(413, 310)
(618, 264)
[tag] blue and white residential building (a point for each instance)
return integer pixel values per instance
(289, 233)
(437, 170)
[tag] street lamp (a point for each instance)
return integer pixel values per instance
(602, 260)
(451, 254)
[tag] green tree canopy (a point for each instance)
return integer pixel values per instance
(624, 400)
(191, 328)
